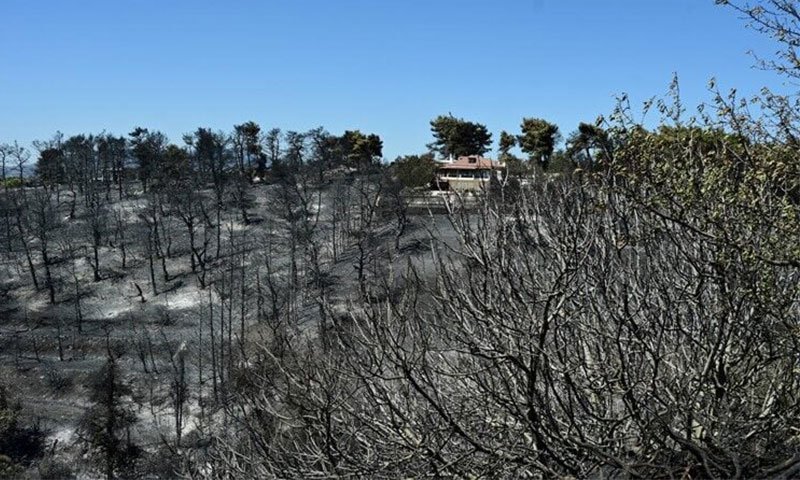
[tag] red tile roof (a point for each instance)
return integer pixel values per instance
(471, 162)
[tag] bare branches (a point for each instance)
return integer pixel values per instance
(574, 333)
(780, 20)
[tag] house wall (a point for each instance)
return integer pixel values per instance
(464, 184)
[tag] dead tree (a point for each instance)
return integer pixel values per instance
(96, 223)
(44, 220)
(120, 219)
(24, 229)
(364, 229)
(71, 253)
(20, 156)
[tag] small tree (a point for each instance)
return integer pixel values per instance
(19, 445)
(179, 391)
(106, 424)
(415, 170)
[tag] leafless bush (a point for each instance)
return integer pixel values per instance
(578, 333)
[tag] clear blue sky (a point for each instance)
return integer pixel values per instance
(382, 66)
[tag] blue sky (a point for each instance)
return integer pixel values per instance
(382, 66)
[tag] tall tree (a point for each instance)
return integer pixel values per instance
(361, 150)
(211, 157)
(80, 159)
(246, 140)
(514, 166)
(295, 149)
(4, 157)
(247, 150)
(20, 156)
(147, 149)
(458, 137)
(44, 220)
(588, 144)
(326, 150)
(25, 231)
(272, 143)
(50, 166)
(539, 138)
(506, 143)
(97, 220)
(112, 152)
